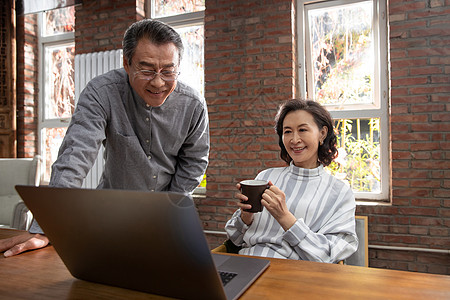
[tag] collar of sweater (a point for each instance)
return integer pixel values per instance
(306, 172)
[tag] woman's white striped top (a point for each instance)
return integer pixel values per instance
(325, 210)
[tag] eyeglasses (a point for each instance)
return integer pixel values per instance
(150, 75)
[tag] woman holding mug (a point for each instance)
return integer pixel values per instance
(308, 214)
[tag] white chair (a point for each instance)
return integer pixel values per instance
(361, 256)
(13, 171)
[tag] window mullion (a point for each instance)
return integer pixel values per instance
(187, 19)
(60, 38)
(352, 114)
(357, 99)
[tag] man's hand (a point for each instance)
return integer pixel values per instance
(21, 243)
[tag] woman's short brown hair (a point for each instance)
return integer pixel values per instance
(328, 151)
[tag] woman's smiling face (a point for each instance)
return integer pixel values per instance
(151, 57)
(301, 138)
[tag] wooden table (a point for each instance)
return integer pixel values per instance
(42, 275)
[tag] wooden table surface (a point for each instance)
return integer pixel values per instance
(42, 275)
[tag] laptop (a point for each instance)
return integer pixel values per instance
(147, 241)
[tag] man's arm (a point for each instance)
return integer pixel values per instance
(76, 157)
(193, 156)
(82, 141)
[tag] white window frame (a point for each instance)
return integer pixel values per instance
(43, 123)
(179, 21)
(381, 87)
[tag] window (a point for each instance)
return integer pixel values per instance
(56, 104)
(343, 66)
(187, 18)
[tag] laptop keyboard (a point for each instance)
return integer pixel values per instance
(226, 276)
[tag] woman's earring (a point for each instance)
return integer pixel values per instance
(321, 143)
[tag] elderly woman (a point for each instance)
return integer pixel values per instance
(308, 214)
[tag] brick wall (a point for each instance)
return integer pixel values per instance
(27, 86)
(100, 25)
(420, 129)
(249, 69)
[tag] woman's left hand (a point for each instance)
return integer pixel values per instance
(274, 200)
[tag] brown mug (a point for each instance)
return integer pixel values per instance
(254, 189)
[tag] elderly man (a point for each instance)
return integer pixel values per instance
(154, 128)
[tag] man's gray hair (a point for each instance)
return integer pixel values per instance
(155, 31)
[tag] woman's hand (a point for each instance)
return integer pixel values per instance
(274, 200)
(247, 217)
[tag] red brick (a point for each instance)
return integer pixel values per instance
(425, 184)
(403, 63)
(418, 211)
(445, 164)
(400, 183)
(413, 80)
(441, 193)
(421, 155)
(428, 108)
(418, 230)
(442, 117)
(440, 60)
(401, 6)
(440, 79)
(411, 137)
(410, 118)
(409, 174)
(436, 242)
(425, 146)
(400, 239)
(427, 52)
(444, 232)
(425, 221)
(430, 89)
(401, 155)
(428, 32)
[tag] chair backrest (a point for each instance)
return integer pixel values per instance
(13, 171)
(18, 171)
(361, 256)
(22, 217)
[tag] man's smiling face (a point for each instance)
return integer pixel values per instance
(157, 58)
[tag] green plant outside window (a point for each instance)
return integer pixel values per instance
(358, 161)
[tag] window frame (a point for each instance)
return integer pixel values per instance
(43, 122)
(179, 21)
(381, 87)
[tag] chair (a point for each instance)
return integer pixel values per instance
(13, 171)
(227, 247)
(361, 256)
